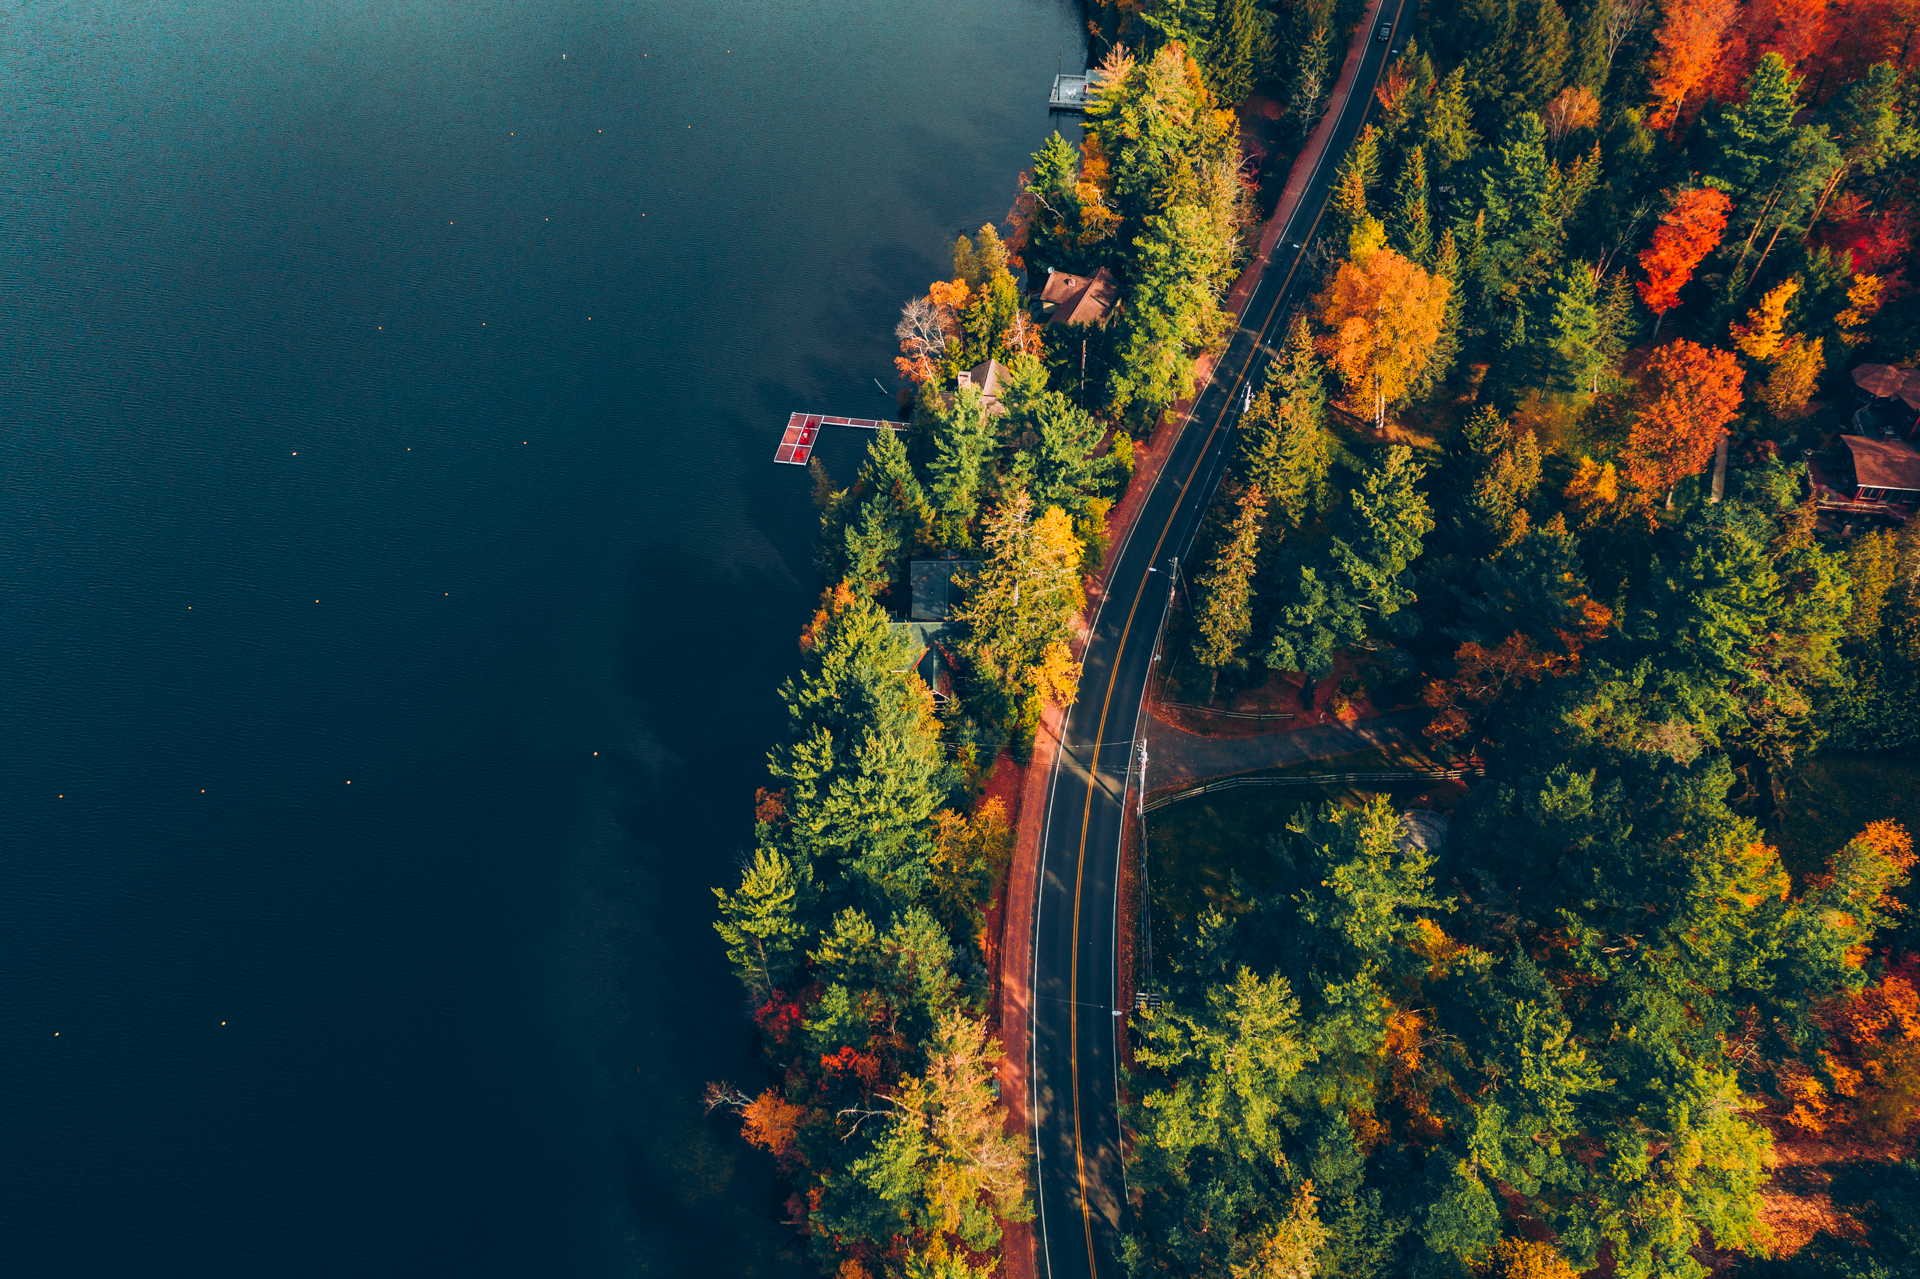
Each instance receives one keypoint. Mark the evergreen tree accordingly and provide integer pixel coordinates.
(962, 462)
(1353, 181)
(1587, 60)
(1746, 137)
(765, 922)
(1052, 442)
(1021, 605)
(1223, 611)
(862, 759)
(1236, 49)
(1357, 571)
(1284, 447)
(1448, 136)
(1411, 227)
(1578, 331)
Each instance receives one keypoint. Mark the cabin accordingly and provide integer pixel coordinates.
(987, 379)
(935, 594)
(1079, 299)
(1856, 474)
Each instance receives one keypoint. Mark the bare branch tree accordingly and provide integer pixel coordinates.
(1623, 19)
(921, 328)
(720, 1093)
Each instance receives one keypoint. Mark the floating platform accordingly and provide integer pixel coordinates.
(803, 429)
(1070, 91)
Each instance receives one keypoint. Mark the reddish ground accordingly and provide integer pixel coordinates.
(1279, 694)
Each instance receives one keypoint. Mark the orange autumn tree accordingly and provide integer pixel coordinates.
(1687, 396)
(1384, 317)
(1689, 231)
(1687, 49)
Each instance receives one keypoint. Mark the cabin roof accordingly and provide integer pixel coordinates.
(1080, 299)
(934, 593)
(1883, 464)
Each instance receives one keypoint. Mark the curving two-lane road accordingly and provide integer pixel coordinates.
(1076, 1023)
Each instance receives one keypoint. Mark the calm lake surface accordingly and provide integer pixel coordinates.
(386, 428)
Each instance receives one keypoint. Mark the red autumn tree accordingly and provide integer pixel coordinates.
(1687, 396)
(1687, 49)
(1687, 233)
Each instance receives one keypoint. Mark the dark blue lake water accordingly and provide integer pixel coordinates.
(387, 401)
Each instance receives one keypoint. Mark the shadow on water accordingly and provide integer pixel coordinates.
(686, 1174)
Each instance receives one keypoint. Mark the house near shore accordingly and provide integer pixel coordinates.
(987, 379)
(1857, 475)
(1079, 299)
(935, 596)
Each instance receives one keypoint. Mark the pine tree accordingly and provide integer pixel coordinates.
(1052, 442)
(1448, 136)
(1223, 611)
(1747, 137)
(766, 921)
(963, 445)
(1284, 447)
(1021, 605)
(861, 759)
(1353, 181)
(1411, 229)
(1578, 331)
(1235, 49)
(1358, 572)
(1587, 64)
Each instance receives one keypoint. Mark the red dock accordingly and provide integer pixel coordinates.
(796, 445)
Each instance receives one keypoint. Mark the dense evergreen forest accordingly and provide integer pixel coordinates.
(1588, 299)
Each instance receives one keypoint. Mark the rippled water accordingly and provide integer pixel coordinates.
(388, 402)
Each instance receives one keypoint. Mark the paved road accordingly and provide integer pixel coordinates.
(1075, 1090)
(1177, 756)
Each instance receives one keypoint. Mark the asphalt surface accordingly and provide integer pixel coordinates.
(1076, 1023)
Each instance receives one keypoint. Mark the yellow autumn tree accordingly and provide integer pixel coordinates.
(1530, 1259)
(1790, 384)
(1383, 316)
(1765, 330)
(1863, 300)
(1022, 603)
(1593, 494)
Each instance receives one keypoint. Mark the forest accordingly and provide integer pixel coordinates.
(1543, 439)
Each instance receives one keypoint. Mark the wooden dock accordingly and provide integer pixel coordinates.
(1070, 91)
(803, 429)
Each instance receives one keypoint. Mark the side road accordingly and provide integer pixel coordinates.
(1176, 756)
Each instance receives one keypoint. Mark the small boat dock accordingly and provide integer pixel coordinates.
(803, 429)
(1070, 91)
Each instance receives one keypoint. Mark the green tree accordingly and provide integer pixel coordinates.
(1053, 442)
(1448, 136)
(1239, 44)
(1353, 183)
(1746, 136)
(1359, 569)
(1284, 448)
(1022, 603)
(1223, 613)
(862, 758)
(961, 468)
(1411, 227)
(765, 922)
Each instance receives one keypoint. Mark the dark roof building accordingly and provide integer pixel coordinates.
(987, 379)
(935, 595)
(1884, 470)
(1079, 299)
